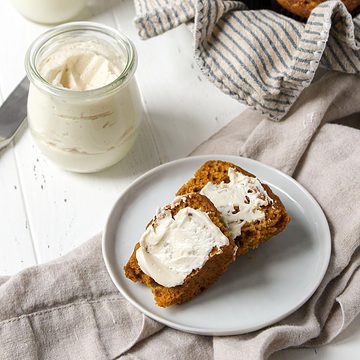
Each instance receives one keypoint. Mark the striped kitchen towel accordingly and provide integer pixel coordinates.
(260, 57)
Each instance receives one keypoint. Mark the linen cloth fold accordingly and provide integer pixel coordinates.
(70, 309)
(260, 57)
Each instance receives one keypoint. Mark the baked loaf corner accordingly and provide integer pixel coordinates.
(303, 8)
(252, 233)
(198, 280)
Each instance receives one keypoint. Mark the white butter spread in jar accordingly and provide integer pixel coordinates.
(177, 245)
(239, 201)
(81, 65)
(84, 106)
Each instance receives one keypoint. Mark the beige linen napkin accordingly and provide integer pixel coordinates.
(69, 308)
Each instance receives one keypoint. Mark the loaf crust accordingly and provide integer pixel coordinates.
(199, 279)
(252, 233)
(303, 8)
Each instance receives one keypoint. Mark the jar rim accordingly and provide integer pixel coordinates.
(38, 44)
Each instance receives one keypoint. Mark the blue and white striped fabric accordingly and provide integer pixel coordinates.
(259, 57)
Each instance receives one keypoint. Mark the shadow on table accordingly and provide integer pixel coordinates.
(351, 120)
(95, 8)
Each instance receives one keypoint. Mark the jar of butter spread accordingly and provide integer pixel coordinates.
(84, 106)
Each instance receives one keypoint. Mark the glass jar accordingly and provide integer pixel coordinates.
(88, 130)
(49, 11)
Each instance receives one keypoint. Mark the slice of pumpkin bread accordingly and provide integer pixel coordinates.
(250, 209)
(184, 249)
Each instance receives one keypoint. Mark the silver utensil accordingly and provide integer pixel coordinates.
(13, 112)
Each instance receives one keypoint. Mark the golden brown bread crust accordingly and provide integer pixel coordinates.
(254, 233)
(199, 279)
(303, 8)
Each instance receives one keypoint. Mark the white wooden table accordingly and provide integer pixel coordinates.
(45, 212)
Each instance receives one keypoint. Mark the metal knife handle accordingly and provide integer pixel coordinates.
(4, 142)
(13, 112)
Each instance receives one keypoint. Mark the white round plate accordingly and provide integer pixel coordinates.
(260, 288)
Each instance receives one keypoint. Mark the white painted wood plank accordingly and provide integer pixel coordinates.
(16, 247)
(15, 36)
(66, 209)
(184, 107)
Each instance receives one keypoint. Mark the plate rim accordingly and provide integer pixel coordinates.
(199, 330)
